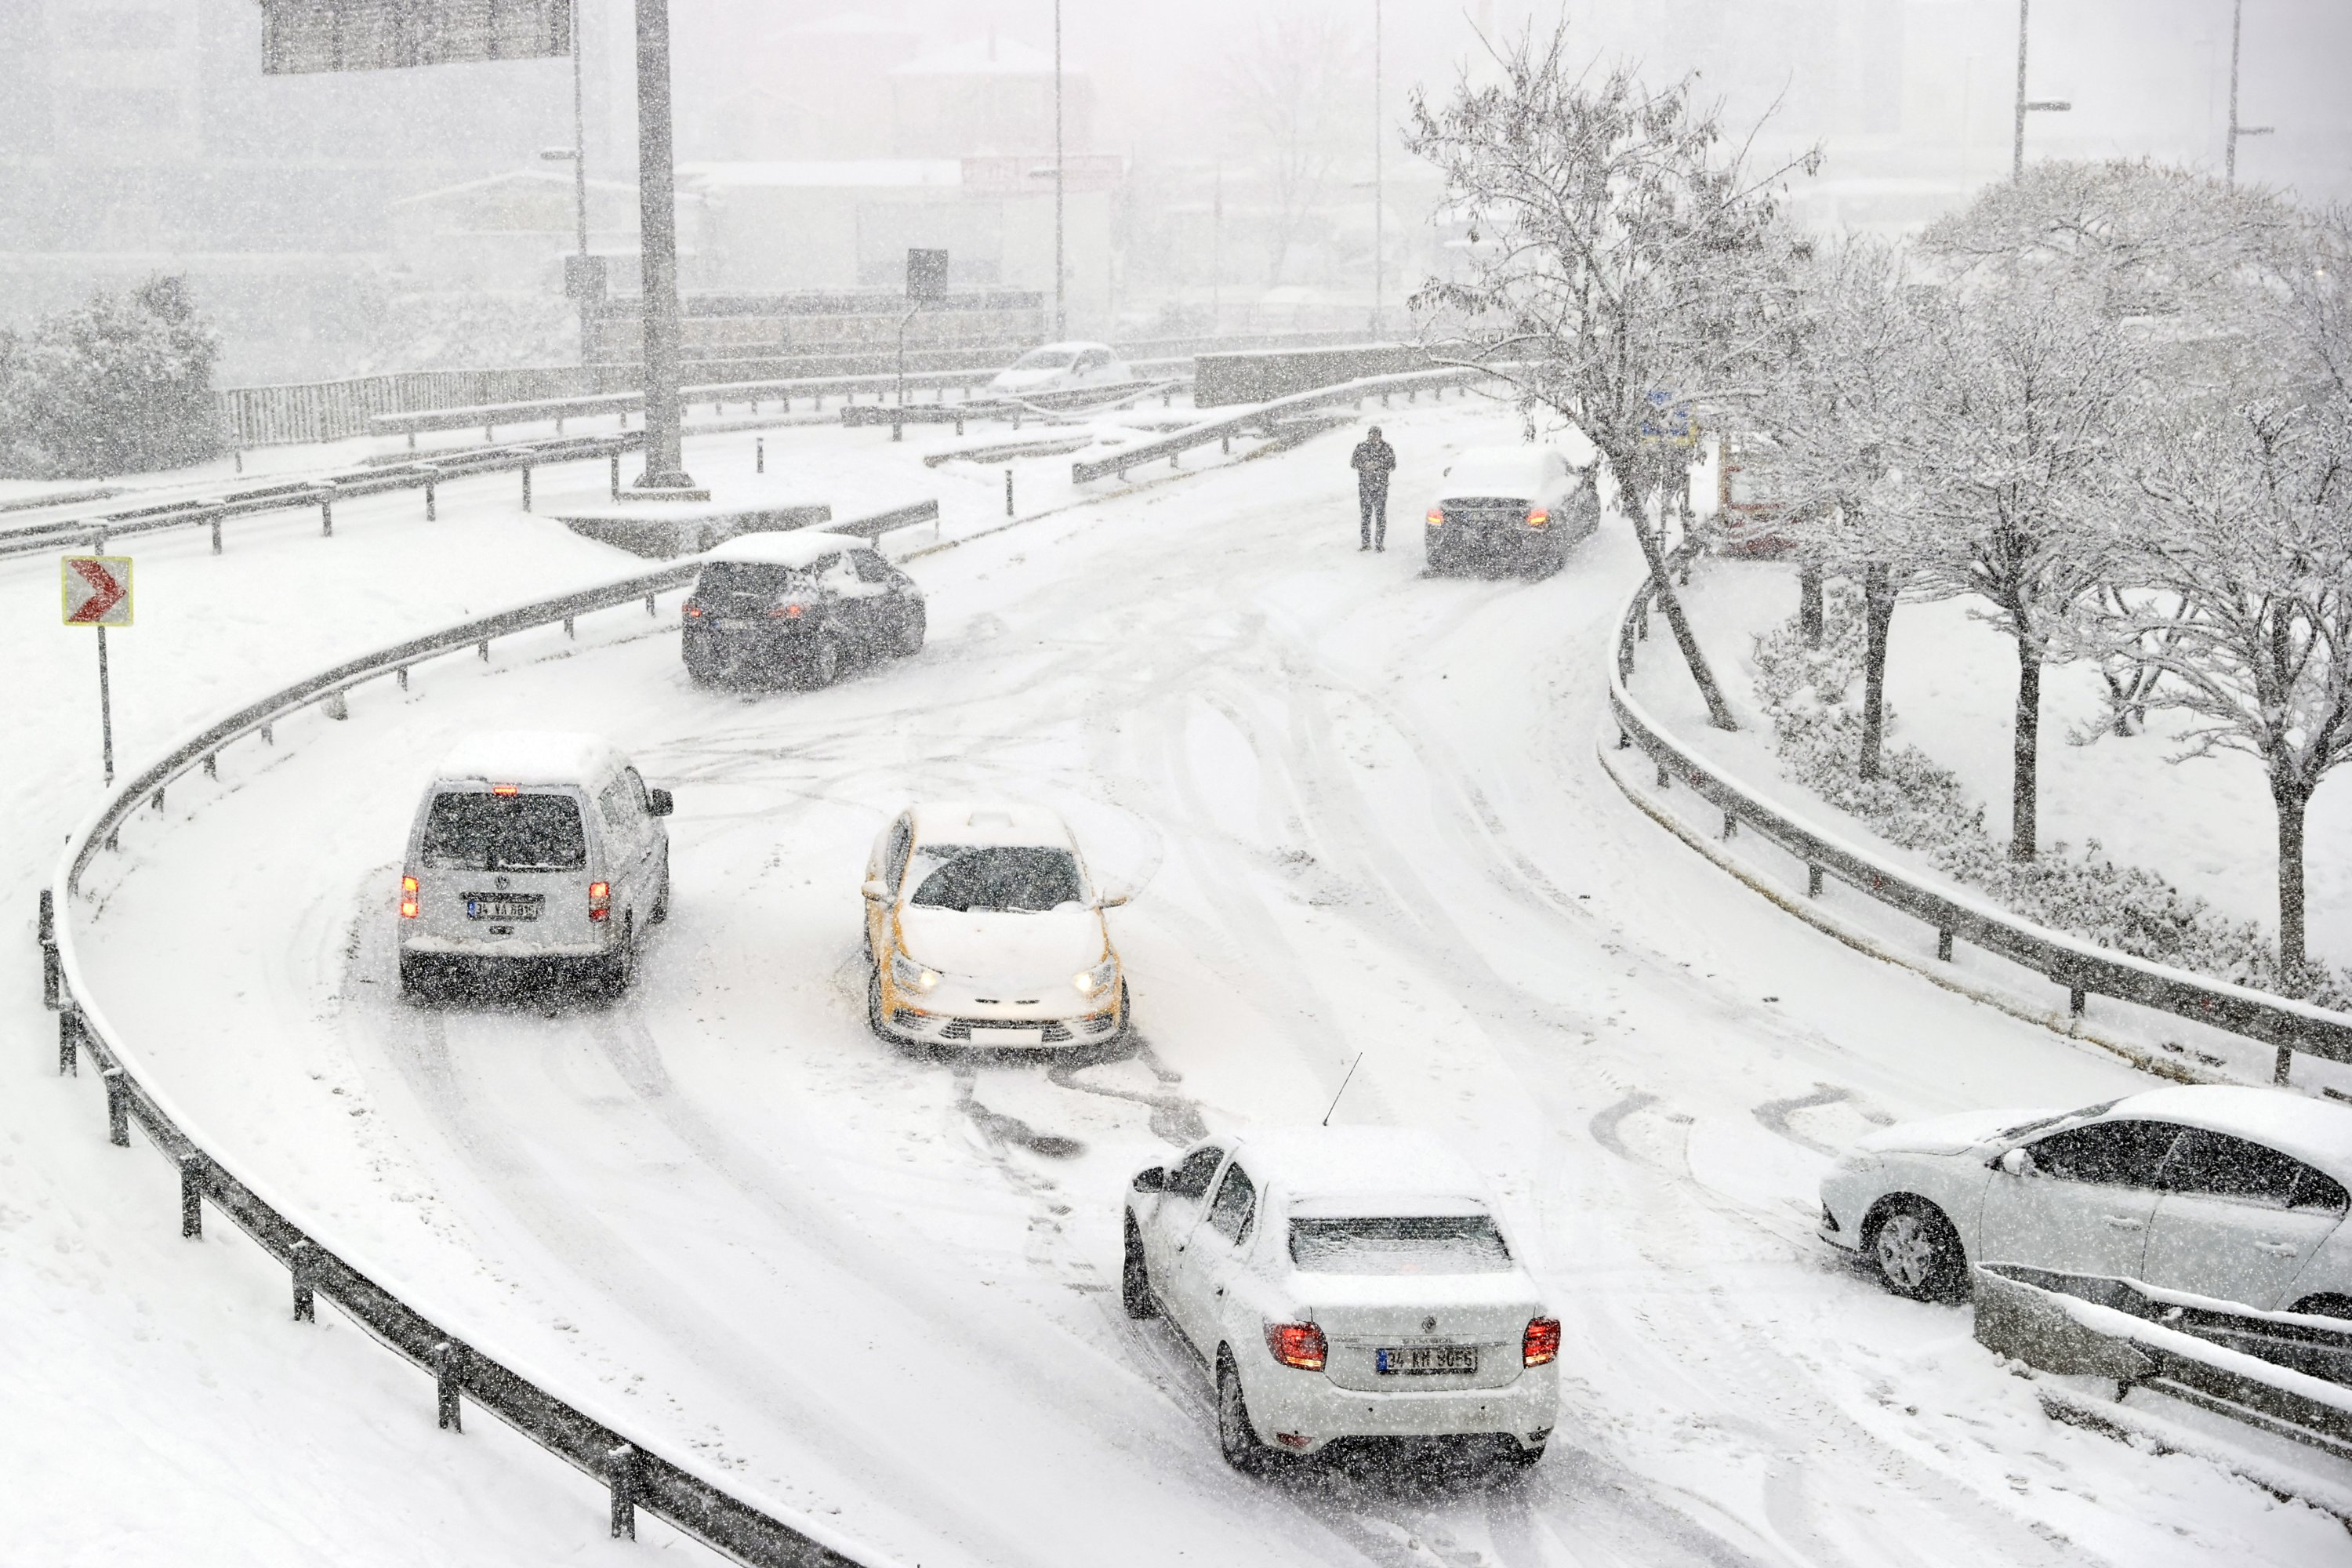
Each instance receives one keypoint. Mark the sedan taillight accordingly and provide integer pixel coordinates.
(1436, 517)
(600, 900)
(1296, 1344)
(1537, 517)
(408, 900)
(791, 612)
(693, 611)
(1540, 1344)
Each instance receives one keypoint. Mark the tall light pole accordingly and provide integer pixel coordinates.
(665, 473)
(2230, 158)
(2017, 155)
(577, 282)
(1061, 318)
(1380, 193)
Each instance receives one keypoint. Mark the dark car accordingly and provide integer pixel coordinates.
(771, 608)
(1510, 509)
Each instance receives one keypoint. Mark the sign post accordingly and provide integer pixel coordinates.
(97, 592)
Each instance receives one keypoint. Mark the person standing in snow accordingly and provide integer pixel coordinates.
(1373, 460)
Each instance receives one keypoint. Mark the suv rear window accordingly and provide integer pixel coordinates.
(1449, 1244)
(475, 831)
(750, 582)
(996, 877)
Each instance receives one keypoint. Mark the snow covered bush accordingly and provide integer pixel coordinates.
(1922, 808)
(122, 384)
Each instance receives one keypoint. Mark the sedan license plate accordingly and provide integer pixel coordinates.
(478, 908)
(1030, 1036)
(1426, 1360)
(734, 624)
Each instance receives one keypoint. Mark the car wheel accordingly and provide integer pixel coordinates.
(909, 640)
(822, 667)
(1135, 1279)
(621, 968)
(419, 977)
(1917, 1253)
(661, 900)
(1519, 1458)
(874, 1003)
(2325, 1306)
(1236, 1439)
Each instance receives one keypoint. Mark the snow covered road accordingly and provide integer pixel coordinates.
(1364, 814)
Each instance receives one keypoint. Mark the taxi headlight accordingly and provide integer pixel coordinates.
(1094, 982)
(912, 975)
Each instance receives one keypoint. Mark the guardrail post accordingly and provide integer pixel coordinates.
(69, 1042)
(758, 453)
(448, 1368)
(305, 1264)
(616, 474)
(217, 542)
(483, 647)
(650, 611)
(897, 429)
(621, 1473)
(338, 706)
(2076, 1000)
(568, 630)
(1944, 946)
(2286, 1062)
(192, 1194)
(326, 517)
(1731, 825)
(1665, 780)
(46, 933)
(1812, 881)
(489, 433)
(117, 1108)
(1008, 491)
(402, 676)
(431, 515)
(212, 764)
(526, 486)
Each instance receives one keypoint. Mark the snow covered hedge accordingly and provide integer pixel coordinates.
(1922, 808)
(122, 385)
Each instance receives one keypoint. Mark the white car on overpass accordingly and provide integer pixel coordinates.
(2229, 1193)
(1343, 1283)
(1062, 367)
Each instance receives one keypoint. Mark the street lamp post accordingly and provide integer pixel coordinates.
(1061, 318)
(577, 277)
(664, 472)
(2230, 157)
(2055, 105)
(1380, 192)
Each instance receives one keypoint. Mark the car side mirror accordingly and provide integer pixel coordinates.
(2016, 1163)
(1153, 1179)
(659, 803)
(874, 890)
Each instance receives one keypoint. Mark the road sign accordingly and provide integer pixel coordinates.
(304, 36)
(1668, 421)
(97, 590)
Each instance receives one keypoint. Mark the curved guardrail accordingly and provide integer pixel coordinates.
(1260, 417)
(465, 1365)
(2085, 969)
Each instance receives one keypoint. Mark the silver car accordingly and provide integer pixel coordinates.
(2234, 1194)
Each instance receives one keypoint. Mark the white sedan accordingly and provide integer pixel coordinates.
(1343, 1282)
(1062, 367)
(2234, 1193)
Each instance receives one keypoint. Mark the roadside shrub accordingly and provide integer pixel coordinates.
(121, 385)
(1922, 808)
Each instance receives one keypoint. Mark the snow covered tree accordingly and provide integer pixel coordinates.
(1835, 410)
(2241, 573)
(122, 385)
(1292, 92)
(1621, 247)
(2019, 397)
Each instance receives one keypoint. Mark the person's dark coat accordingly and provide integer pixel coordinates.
(1373, 460)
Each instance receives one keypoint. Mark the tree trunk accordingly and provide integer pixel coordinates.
(1719, 712)
(1878, 619)
(1809, 603)
(2023, 784)
(2292, 959)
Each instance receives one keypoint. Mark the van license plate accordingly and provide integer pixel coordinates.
(1425, 1361)
(482, 908)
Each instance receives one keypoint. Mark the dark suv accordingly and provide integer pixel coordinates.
(797, 607)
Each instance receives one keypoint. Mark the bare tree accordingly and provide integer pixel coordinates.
(2242, 571)
(1290, 90)
(1621, 247)
(2021, 396)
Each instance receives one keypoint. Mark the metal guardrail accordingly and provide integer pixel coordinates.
(2279, 1371)
(2085, 969)
(1260, 418)
(596, 1442)
(321, 491)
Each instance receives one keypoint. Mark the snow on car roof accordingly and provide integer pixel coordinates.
(2313, 1131)
(794, 547)
(530, 757)
(989, 822)
(1072, 345)
(1395, 1169)
(1484, 466)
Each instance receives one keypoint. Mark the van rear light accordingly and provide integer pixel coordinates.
(408, 898)
(506, 789)
(1296, 1344)
(1537, 517)
(1540, 1345)
(1436, 517)
(600, 900)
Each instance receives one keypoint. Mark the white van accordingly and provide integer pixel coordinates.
(533, 845)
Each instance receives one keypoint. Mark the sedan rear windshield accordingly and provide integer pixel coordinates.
(481, 832)
(1450, 1244)
(1001, 877)
(1044, 359)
